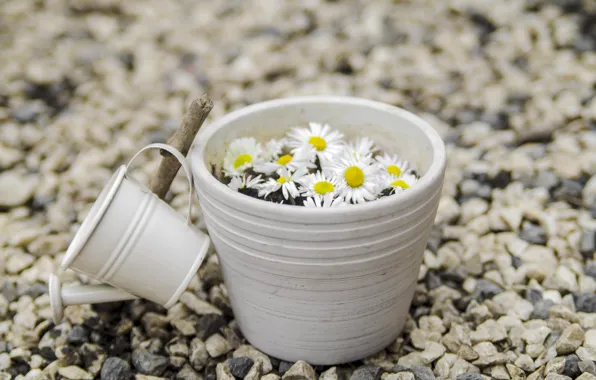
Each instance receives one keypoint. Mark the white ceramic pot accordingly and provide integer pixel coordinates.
(134, 243)
(323, 285)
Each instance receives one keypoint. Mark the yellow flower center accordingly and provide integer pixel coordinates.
(283, 160)
(400, 183)
(282, 180)
(394, 169)
(242, 160)
(319, 143)
(354, 176)
(324, 187)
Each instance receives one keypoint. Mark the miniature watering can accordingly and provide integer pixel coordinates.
(133, 241)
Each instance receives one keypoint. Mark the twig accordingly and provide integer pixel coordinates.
(182, 140)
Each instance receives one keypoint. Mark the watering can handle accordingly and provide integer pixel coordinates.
(180, 157)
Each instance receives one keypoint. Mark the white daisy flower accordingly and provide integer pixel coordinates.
(326, 141)
(244, 182)
(318, 184)
(287, 182)
(358, 176)
(362, 147)
(324, 201)
(273, 149)
(241, 154)
(392, 164)
(302, 158)
(396, 184)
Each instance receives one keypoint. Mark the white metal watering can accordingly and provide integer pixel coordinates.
(134, 243)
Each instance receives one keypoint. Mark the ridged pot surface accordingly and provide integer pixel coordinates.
(322, 285)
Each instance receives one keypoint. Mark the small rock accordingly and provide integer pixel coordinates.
(469, 376)
(586, 376)
(283, 367)
(330, 374)
(303, 371)
(489, 330)
(239, 366)
(571, 368)
(467, 352)
(556, 376)
(74, 373)
(587, 366)
(148, 363)
(77, 335)
(273, 376)
(223, 373)
(571, 338)
(398, 376)
(590, 338)
(556, 365)
(586, 353)
(255, 355)
(217, 345)
(210, 324)
(485, 290)
(18, 261)
(585, 302)
(198, 356)
(515, 372)
(115, 368)
(28, 112)
(533, 233)
(187, 373)
(588, 243)
(423, 373)
(367, 372)
(525, 362)
(16, 189)
(198, 305)
(254, 373)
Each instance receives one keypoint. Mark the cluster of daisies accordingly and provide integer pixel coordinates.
(314, 167)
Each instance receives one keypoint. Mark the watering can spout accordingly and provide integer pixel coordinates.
(82, 294)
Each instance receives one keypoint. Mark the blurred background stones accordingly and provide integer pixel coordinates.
(507, 287)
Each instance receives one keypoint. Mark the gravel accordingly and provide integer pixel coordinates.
(507, 285)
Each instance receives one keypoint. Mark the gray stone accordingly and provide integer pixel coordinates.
(485, 290)
(533, 233)
(367, 372)
(28, 112)
(301, 371)
(590, 269)
(541, 309)
(115, 368)
(588, 243)
(556, 376)
(571, 368)
(77, 335)
(546, 179)
(585, 302)
(556, 365)
(239, 366)
(223, 373)
(217, 345)
(423, 373)
(148, 363)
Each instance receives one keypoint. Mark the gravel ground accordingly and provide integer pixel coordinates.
(507, 288)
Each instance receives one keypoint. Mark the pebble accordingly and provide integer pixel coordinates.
(303, 371)
(217, 345)
(148, 363)
(239, 366)
(555, 376)
(223, 372)
(198, 356)
(330, 374)
(485, 290)
(588, 243)
(423, 373)
(587, 366)
(533, 233)
(586, 353)
(586, 376)
(469, 376)
(198, 305)
(187, 373)
(398, 376)
(74, 373)
(556, 365)
(256, 356)
(585, 302)
(115, 368)
(16, 189)
(77, 335)
(571, 338)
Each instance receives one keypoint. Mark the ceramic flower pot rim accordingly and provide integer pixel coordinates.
(205, 178)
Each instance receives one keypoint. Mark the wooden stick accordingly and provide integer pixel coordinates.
(182, 140)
